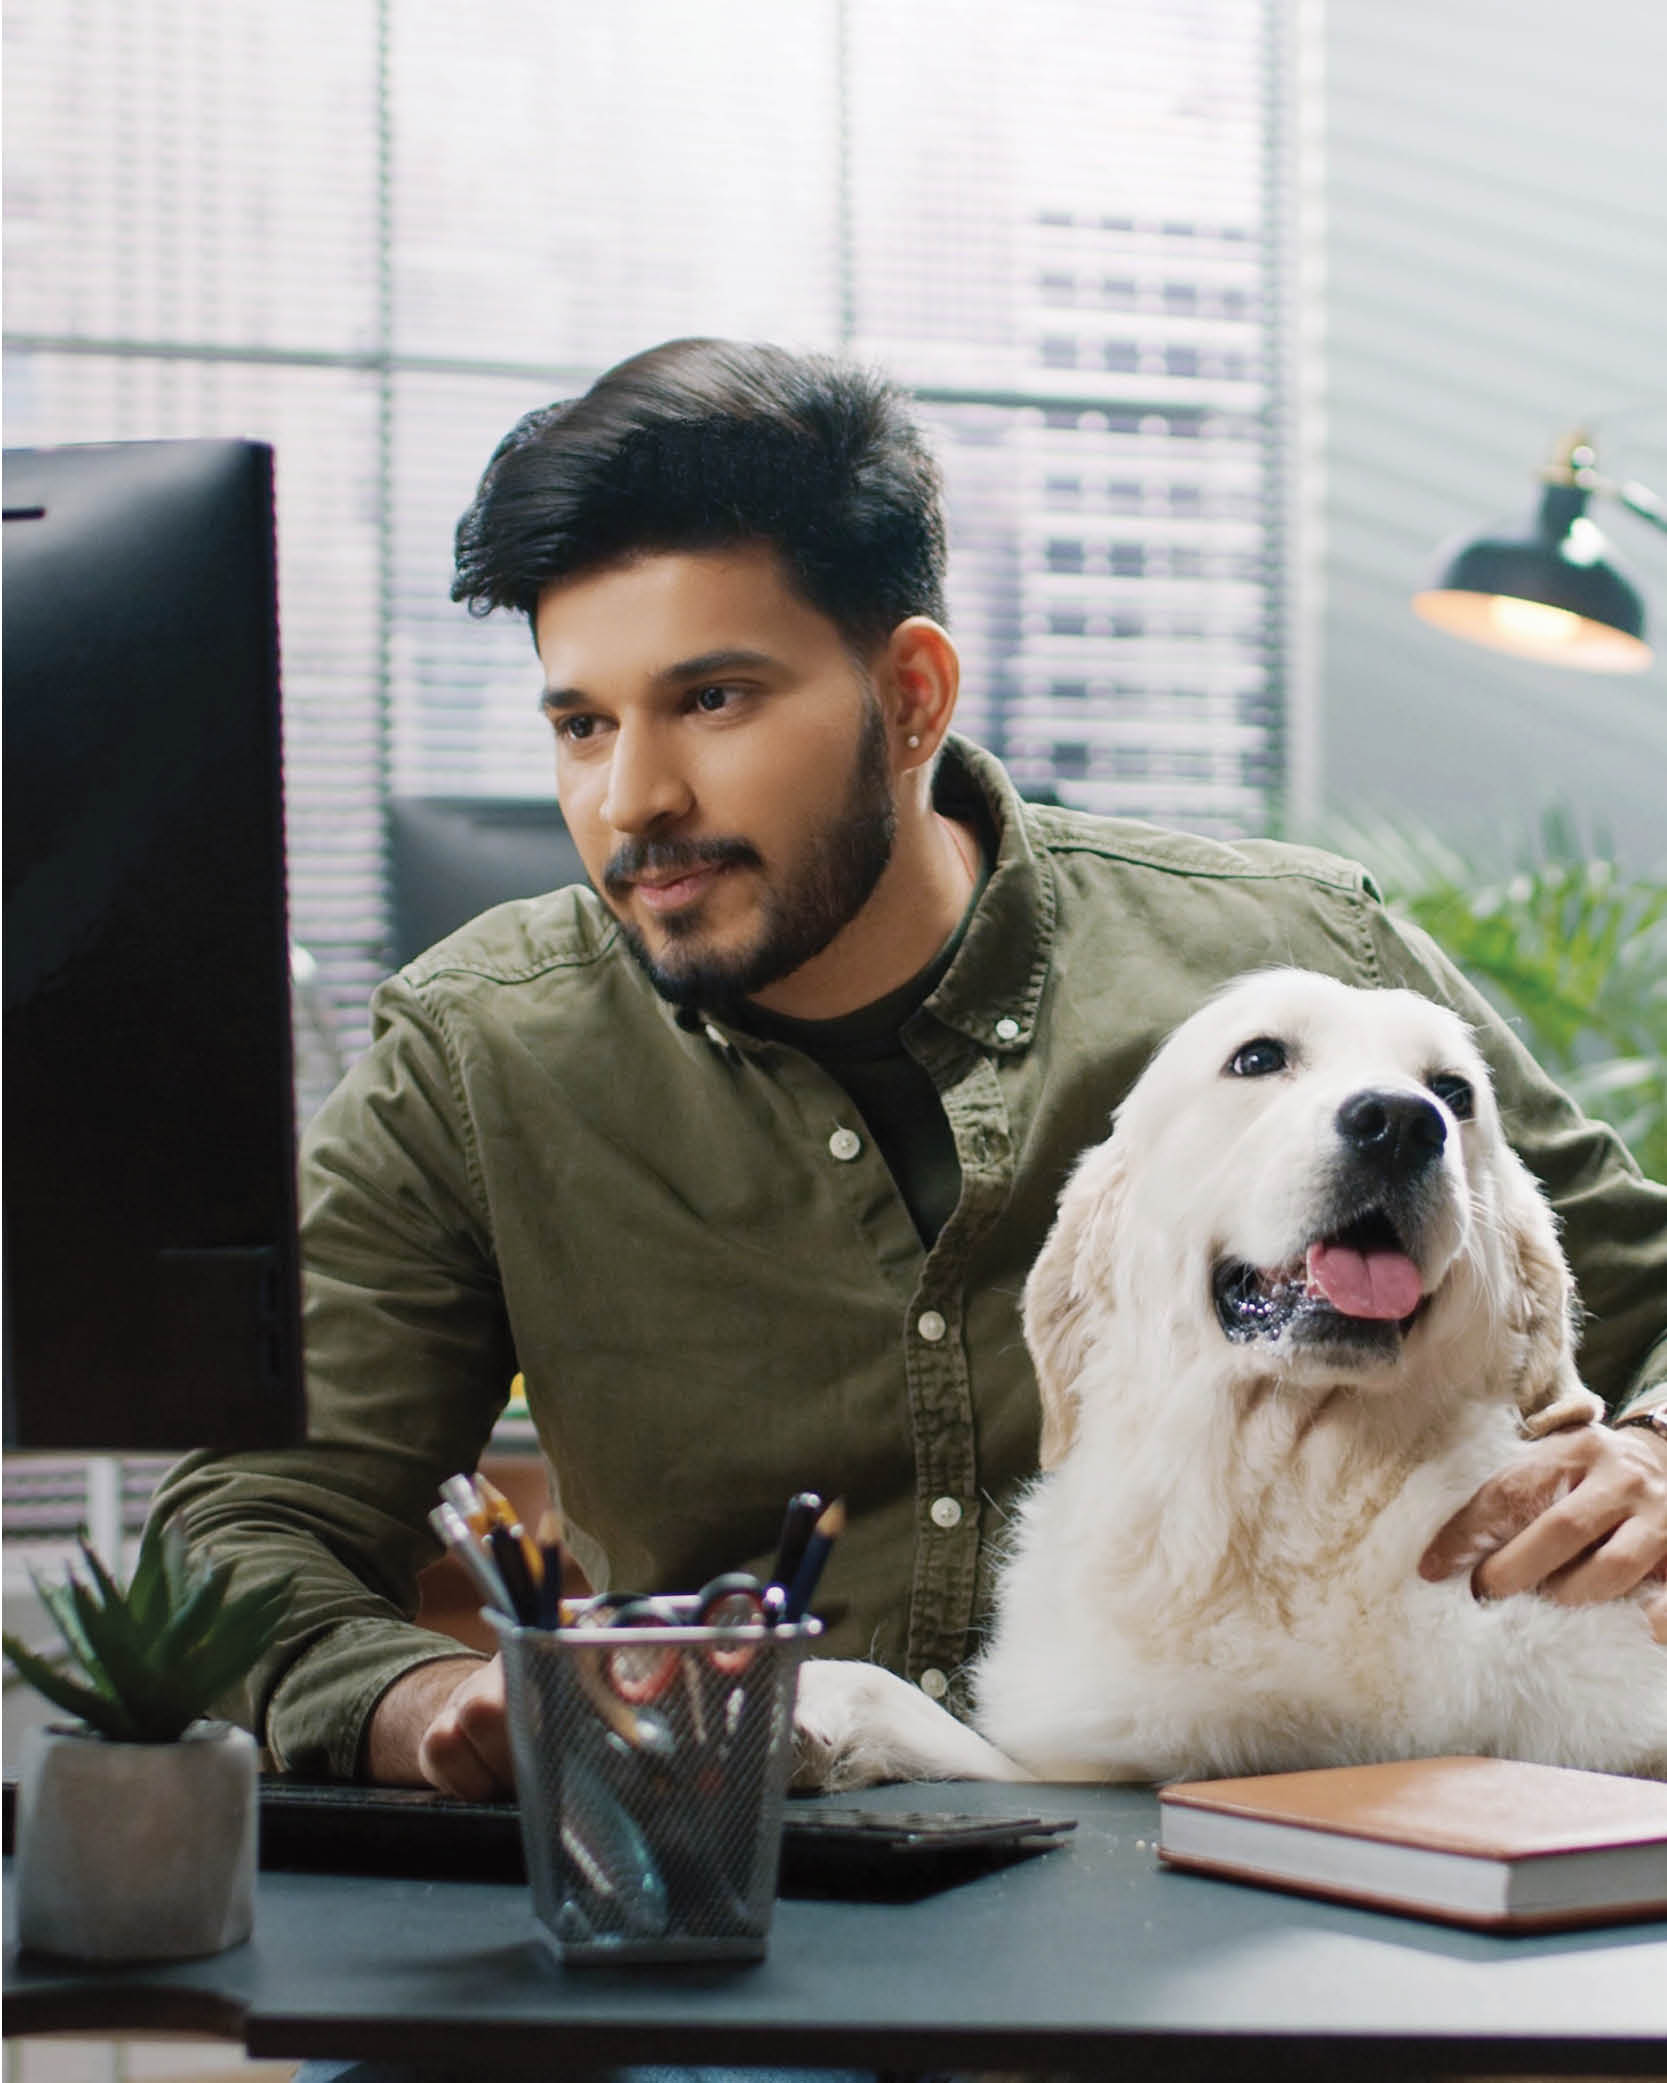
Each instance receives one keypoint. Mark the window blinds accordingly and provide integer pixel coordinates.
(375, 234)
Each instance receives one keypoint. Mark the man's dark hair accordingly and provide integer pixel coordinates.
(707, 445)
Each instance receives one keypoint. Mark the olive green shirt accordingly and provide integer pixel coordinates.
(683, 1235)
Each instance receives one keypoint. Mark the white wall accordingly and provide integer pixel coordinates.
(1496, 271)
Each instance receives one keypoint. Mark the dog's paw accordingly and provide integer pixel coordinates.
(838, 1723)
(857, 1725)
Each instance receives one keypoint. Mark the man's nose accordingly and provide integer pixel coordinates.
(646, 782)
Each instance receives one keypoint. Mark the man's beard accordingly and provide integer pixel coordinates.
(829, 886)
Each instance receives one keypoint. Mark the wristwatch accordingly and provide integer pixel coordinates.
(1655, 1419)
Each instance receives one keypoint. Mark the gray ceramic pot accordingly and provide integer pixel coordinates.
(137, 1851)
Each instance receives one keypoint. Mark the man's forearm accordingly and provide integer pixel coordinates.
(403, 1716)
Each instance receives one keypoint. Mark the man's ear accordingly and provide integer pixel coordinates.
(1542, 1308)
(921, 675)
(1064, 1300)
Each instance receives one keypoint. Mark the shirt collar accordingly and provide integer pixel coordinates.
(992, 992)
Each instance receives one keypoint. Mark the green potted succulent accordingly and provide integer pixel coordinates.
(136, 1827)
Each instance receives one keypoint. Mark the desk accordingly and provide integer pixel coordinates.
(1086, 1957)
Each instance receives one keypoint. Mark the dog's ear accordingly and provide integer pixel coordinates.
(1550, 1393)
(1063, 1295)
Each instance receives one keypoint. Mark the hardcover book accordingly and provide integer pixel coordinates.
(1488, 1842)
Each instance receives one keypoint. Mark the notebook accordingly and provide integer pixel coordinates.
(1488, 1842)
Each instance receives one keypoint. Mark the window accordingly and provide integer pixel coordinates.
(354, 229)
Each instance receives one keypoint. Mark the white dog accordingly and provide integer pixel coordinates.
(1293, 1314)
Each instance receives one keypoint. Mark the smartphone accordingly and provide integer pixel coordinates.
(897, 1855)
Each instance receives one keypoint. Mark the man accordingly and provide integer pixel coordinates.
(742, 1155)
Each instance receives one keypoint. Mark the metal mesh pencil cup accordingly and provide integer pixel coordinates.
(651, 1767)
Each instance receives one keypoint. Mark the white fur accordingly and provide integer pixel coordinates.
(1218, 1571)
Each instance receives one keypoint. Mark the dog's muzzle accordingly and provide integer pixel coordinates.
(1356, 1286)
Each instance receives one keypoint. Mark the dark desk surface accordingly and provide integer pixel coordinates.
(1087, 1956)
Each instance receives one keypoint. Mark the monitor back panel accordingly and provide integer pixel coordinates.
(149, 1158)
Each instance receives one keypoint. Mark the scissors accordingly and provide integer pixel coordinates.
(641, 1672)
(628, 1682)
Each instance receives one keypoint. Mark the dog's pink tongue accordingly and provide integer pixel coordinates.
(1364, 1283)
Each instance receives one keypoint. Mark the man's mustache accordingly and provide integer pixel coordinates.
(635, 858)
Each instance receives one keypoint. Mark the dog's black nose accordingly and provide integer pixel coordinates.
(1398, 1131)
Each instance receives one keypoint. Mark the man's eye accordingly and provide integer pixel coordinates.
(1258, 1059)
(1456, 1094)
(574, 729)
(711, 701)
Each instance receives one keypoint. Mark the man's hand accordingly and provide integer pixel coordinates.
(443, 1725)
(1580, 1518)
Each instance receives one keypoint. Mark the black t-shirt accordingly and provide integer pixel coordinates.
(896, 1098)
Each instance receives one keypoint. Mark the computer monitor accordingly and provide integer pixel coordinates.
(149, 1166)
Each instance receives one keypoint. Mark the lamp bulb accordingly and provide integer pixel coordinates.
(1533, 622)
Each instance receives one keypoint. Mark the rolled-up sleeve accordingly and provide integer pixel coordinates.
(409, 1360)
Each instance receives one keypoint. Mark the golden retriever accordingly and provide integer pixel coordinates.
(1292, 1315)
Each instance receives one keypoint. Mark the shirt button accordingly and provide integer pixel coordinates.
(931, 1326)
(933, 1682)
(946, 1512)
(845, 1144)
(1007, 1029)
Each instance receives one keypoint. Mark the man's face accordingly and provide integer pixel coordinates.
(721, 763)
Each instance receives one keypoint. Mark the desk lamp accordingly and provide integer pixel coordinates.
(1550, 591)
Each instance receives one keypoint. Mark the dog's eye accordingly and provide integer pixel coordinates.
(1258, 1059)
(1456, 1094)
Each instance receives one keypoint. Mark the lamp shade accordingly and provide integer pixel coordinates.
(1549, 592)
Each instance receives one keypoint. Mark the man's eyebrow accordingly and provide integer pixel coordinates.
(705, 665)
(708, 663)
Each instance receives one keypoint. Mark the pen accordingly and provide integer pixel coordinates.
(826, 1531)
(797, 1524)
(510, 1555)
(448, 1522)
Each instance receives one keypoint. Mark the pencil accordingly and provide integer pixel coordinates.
(826, 1531)
(496, 1503)
(448, 1522)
